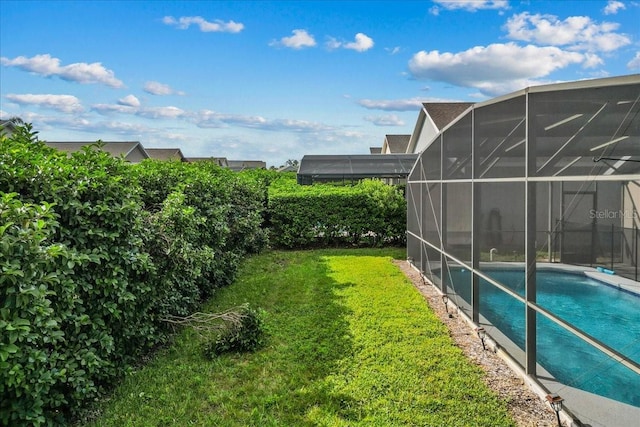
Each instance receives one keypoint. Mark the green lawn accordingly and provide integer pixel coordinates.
(350, 342)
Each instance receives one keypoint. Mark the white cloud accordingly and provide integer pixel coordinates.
(129, 101)
(468, 5)
(63, 103)
(300, 39)
(80, 72)
(389, 120)
(213, 119)
(114, 108)
(613, 7)
(413, 104)
(494, 69)
(361, 43)
(634, 64)
(205, 26)
(575, 32)
(157, 88)
(169, 112)
(393, 50)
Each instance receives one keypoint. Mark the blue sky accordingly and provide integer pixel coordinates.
(275, 80)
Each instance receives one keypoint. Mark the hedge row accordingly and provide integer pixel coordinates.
(370, 213)
(94, 253)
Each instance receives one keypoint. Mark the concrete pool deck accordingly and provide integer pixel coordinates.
(582, 408)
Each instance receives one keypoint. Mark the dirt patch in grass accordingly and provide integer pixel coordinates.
(526, 407)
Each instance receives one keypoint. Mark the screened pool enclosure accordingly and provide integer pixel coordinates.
(351, 168)
(542, 178)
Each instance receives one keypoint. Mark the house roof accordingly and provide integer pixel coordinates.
(375, 150)
(440, 114)
(8, 126)
(239, 165)
(115, 148)
(397, 143)
(220, 161)
(288, 168)
(165, 153)
(443, 113)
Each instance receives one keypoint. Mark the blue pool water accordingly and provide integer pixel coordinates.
(610, 315)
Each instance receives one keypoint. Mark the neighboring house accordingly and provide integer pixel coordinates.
(165, 154)
(433, 118)
(220, 161)
(131, 151)
(240, 165)
(375, 150)
(8, 127)
(288, 168)
(395, 144)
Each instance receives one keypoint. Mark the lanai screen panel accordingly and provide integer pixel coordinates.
(586, 132)
(499, 139)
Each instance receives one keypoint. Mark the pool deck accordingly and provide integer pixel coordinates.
(590, 409)
(581, 408)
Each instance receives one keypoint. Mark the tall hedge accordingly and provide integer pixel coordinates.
(94, 253)
(84, 285)
(368, 214)
(202, 221)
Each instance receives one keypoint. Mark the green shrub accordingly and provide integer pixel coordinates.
(95, 253)
(225, 215)
(368, 214)
(37, 303)
(89, 292)
(246, 334)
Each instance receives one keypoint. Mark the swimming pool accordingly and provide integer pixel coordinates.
(608, 314)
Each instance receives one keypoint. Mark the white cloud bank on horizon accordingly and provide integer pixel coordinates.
(62, 103)
(388, 120)
(217, 26)
(79, 72)
(412, 104)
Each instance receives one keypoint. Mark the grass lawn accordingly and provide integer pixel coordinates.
(350, 342)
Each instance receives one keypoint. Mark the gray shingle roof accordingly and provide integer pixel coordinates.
(165, 153)
(397, 143)
(115, 148)
(443, 113)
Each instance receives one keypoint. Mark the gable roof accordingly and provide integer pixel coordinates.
(437, 115)
(220, 161)
(396, 144)
(239, 165)
(443, 113)
(165, 154)
(126, 149)
(288, 168)
(8, 127)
